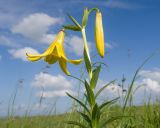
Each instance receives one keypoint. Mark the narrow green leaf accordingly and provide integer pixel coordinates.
(80, 102)
(85, 117)
(72, 27)
(95, 76)
(100, 90)
(85, 17)
(108, 103)
(101, 63)
(110, 120)
(87, 62)
(134, 78)
(76, 123)
(95, 114)
(90, 95)
(75, 21)
(77, 78)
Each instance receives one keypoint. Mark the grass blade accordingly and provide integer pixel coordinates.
(108, 102)
(80, 102)
(95, 76)
(76, 123)
(99, 92)
(90, 95)
(74, 21)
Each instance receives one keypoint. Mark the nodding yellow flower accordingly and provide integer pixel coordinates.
(54, 53)
(99, 35)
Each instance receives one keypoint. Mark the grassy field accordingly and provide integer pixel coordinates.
(146, 116)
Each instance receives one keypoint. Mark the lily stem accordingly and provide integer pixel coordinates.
(86, 48)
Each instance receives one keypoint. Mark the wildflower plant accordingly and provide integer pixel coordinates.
(92, 111)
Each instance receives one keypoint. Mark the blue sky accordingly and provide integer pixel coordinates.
(131, 34)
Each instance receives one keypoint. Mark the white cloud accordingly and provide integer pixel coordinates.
(21, 53)
(53, 86)
(151, 85)
(75, 44)
(55, 93)
(108, 45)
(39, 106)
(151, 80)
(46, 80)
(152, 74)
(7, 42)
(36, 26)
(47, 38)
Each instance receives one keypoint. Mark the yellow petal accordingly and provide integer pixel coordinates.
(50, 59)
(58, 40)
(99, 35)
(57, 50)
(76, 62)
(34, 57)
(63, 65)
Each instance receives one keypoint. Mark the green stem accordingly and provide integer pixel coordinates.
(86, 49)
(93, 9)
(85, 43)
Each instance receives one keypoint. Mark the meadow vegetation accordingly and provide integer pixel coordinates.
(145, 116)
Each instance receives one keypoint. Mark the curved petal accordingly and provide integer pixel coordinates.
(54, 48)
(55, 44)
(57, 50)
(33, 57)
(63, 65)
(76, 62)
(58, 40)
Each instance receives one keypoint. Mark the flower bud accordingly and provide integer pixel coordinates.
(99, 35)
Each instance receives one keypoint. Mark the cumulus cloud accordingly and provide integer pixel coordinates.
(54, 86)
(152, 74)
(36, 26)
(21, 53)
(75, 44)
(151, 85)
(148, 86)
(7, 42)
(46, 80)
(54, 93)
(151, 80)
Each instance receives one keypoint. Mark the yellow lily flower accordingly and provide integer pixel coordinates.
(99, 35)
(54, 53)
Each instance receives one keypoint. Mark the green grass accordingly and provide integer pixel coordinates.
(146, 116)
